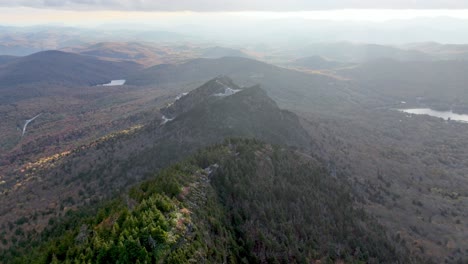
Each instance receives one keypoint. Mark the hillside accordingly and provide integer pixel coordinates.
(441, 51)
(4, 59)
(61, 68)
(219, 52)
(97, 170)
(249, 113)
(316, 63)
(147, 54)
(414, 82)
(121, 51)
(361, 52)
(217, 207)
(219, 87)
(152, 53)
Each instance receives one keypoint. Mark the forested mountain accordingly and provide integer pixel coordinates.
(408, 171)
(210, 91)
(96, 171)
(251, 131)
(239, 202)
(290, 89)
(61, 68)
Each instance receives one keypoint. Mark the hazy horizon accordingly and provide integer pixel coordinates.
(252, 22)
(253, 27)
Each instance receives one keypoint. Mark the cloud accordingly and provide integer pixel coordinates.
(235, 5)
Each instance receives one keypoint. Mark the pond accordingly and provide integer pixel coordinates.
(115, 83)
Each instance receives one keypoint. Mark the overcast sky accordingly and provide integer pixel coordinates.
(236, 5)
(171, 12)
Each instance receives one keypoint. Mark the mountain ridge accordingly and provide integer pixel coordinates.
(293, 90)
(111, 164)
(217, 206)
(57, 67)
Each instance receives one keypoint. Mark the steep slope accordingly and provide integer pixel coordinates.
(60, 68)
(117, 161)
(212, 90)
(239, 202)
(248, 113)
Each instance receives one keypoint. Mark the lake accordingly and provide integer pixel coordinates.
(441, 114)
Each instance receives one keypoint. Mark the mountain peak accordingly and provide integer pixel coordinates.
(249, 113)
(214, 89)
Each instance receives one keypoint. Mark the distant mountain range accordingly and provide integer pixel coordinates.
(351, 52)
(441, 51)
(219, 52)
(317, 63)
(147, 54)
(120, 51)
(150, 54)
(22, 41)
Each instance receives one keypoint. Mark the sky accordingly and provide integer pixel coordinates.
(87, 12)
(235, 5)
(31, 16)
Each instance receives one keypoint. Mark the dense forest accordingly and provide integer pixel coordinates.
(284, 137)
(242, 201)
